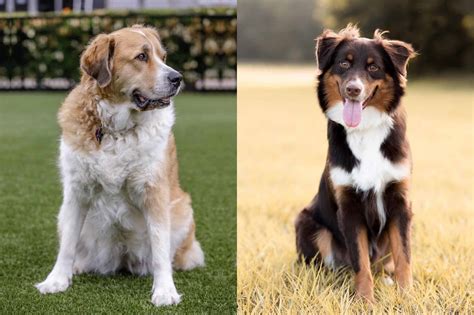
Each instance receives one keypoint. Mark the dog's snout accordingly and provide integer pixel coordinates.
(353, 89)
(175, 78)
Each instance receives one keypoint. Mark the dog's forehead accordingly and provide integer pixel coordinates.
(360, 48)
(138, 37)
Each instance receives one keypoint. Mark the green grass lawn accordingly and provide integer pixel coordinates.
(30, 196)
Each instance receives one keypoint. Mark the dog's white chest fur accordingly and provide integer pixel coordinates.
(132, 148)
(133, 145)
(113, 180)
(373, 171)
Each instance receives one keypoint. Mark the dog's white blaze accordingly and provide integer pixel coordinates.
(162, 70)
(139, 32)
(357, 81)
(374, 170)
(149, 41)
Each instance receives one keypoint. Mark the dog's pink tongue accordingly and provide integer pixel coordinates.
(352, 113)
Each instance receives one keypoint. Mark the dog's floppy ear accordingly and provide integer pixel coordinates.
(326, 44)
(96, 60)
(400, 53)
(328, 41)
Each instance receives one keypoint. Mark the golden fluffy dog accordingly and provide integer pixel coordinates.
(123, 207)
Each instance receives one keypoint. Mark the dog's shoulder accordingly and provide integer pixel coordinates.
(79, 120)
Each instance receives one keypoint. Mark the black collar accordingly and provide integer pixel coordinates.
(99, 134)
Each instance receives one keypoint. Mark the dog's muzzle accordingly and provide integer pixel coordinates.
(145, 103)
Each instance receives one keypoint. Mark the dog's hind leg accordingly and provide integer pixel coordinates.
(305, 228)
(189, 255)
(187, 250)
(313, 241)
(384, 259)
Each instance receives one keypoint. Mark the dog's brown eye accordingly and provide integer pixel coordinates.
(345, 64)
(142, 57)
(373, 68)
(164, 57)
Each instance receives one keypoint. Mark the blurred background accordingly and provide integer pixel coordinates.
(40, 40)
(282, 147)
(441, 31)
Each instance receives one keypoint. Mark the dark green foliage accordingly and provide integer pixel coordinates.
(30, 195)
(201, 45)
(282, 30)
(441, 31)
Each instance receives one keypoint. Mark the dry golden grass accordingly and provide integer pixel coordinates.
(281, 153)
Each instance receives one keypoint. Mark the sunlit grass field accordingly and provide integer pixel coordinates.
(281, 154)
(30, 195)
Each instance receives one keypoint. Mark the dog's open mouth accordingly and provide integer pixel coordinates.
(364, 104)
(145, 103)
(352, 111)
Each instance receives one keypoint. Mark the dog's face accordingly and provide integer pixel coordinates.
(129, 65)
(358, 73)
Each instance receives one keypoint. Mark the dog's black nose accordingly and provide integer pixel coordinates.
(353, 90)
(175, 78)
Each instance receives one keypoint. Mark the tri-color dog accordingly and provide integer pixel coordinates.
(362, 212)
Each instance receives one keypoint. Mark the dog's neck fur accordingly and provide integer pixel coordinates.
(123, 117)
(116, 118)
(372, 118)
(123, 123)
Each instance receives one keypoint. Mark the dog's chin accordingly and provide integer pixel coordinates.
(144, 103)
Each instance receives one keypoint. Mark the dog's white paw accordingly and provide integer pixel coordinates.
(387, 280)
(54, 284)
(165, 296)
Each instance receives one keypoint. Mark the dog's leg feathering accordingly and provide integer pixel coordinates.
(189, 255)
(70, 221)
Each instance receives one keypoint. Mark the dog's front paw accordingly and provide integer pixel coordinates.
(404, 279)
(165, 296)
(404, 283)
(54, 284)
(365, 289)
(367, 296)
